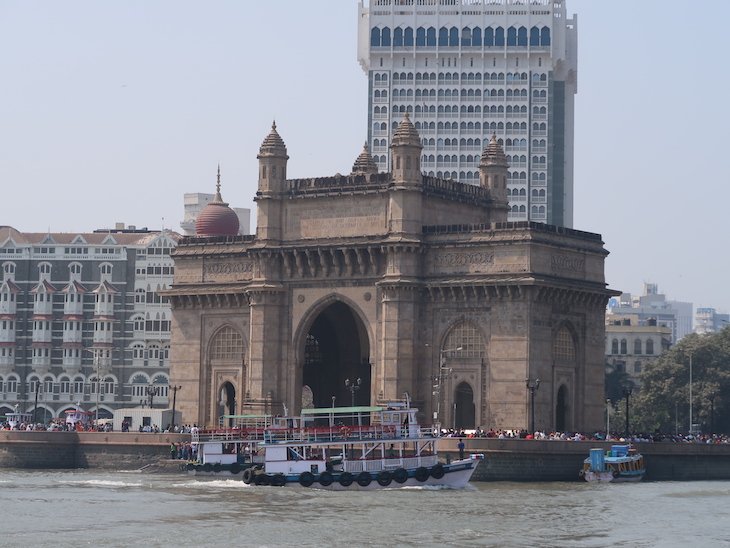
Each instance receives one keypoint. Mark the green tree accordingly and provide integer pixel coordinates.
(663, 400)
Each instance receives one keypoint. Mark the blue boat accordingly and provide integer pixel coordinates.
(621, 464)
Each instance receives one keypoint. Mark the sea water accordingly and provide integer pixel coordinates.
(96, 508)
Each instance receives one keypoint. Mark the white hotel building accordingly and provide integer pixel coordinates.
(467, 69)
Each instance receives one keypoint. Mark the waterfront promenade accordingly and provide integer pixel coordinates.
(505, 459)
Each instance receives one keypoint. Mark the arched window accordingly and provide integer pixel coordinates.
(637, 346)
(385, 37)
(545, 36)
(443, 36)
(522, 36)
(227, 344)
(375, 37)
(499, 36)
(511, 36)
(464, 340)
(453, 36)
(650, 346)
(397, 37)
(624, 346)
(408, 37)
(431, 36)
(476, 40)
(564, 345)
(420, 36)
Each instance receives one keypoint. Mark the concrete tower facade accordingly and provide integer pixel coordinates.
(467, 69)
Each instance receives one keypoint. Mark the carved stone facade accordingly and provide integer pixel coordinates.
(403, 282)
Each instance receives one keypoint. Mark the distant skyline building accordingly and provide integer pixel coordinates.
(708, 320)
(632, 344)
(653, 306)
(468, 69)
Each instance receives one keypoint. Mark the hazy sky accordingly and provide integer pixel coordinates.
(111, 110)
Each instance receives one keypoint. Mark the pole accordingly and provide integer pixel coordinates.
(690, 393)
(608, 419)
(98, 387)
(628, 395)
(35, 406)
(174, 402)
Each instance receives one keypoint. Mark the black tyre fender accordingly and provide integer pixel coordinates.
(189, 466)
(263, 479)
(278, 480)
(616, 473)
(207, 467)
(400, 475)
(217, 467)
(306, 479)
(235, 468)
(325, 479)
(364, 479)
(384, 478)
(346, 479)
(421, 473)
(437, 472)
(247, 476)
(198, 467)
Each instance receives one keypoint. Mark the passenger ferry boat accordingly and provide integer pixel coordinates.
(621, 464)
(340, 448)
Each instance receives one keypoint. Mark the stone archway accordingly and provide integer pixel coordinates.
(561, 409)
(464, 408)
(227, 401)
(337, 350)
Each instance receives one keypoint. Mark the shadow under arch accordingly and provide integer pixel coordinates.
(333, 347)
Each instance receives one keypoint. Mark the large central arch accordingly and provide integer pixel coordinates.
(336, 350)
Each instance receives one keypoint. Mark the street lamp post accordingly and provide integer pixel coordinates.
(151, 392)
(174, 402)
(532, 386)
(442, 373)
(690, 393)
(608, 418)
(627, 394)
(352, 386)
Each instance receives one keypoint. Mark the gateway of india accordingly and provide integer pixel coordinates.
(361, 288)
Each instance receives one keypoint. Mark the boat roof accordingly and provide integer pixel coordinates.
(341, 410)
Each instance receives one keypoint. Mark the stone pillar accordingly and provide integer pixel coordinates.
(264, 391)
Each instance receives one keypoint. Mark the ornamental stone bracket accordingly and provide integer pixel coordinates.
(326, 262)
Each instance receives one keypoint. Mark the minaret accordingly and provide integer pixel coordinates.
(272, 183)
(406, 153)
(493, 176)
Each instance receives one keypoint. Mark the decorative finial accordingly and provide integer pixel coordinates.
(273, 124)
(218, 180)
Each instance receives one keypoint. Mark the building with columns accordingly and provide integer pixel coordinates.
(361, 288)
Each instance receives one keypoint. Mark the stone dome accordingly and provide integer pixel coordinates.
(406, 134)
(273, 144)
(216, 218)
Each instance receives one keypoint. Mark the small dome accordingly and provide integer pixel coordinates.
(216, 218)
(493, 155)
(406, 134)
(273, 144)
(364, 163)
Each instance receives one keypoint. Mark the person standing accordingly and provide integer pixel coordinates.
(461, 449)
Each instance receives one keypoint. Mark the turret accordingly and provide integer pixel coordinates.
(493, 176)
(272, 184)
(272, 163)
(406, 153)
(364, 165)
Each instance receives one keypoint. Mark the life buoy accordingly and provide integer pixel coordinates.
(421, 474)
(346, 479)
(247, 476)
(278, 480)
(616, 473)
(437, 472)
(345, 432)
(235, 468)
(325, 479)
(384, 478)
(364, 479)
(400, 475)
(306, 479)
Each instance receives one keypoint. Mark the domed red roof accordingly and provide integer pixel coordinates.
(216, 218)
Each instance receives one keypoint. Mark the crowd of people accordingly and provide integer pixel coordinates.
(595, 436)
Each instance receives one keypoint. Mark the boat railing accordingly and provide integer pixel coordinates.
(231, 435)
(375, 465)
(326, 434)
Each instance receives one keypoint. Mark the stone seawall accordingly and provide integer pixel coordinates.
(505, 460)
(113, 450)
(530, 460)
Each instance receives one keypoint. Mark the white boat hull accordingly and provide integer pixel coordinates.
(608, 477)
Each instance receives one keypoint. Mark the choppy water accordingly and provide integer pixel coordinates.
(92, 508)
